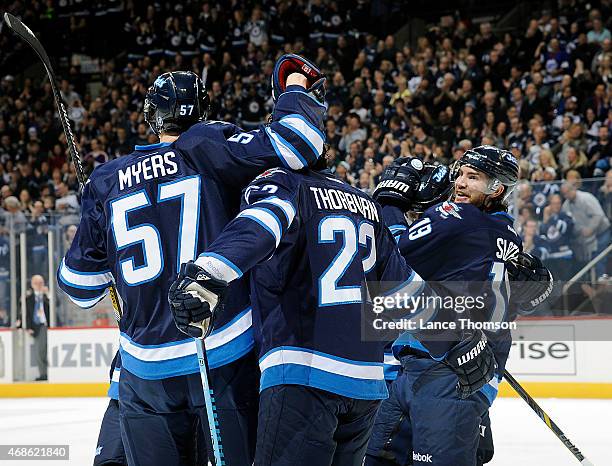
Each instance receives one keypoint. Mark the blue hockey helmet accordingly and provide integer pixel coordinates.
(175, 101)
(499, 165)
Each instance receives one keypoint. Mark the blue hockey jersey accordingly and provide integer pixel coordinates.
(146, 213)
(320, 241)
(460, 244)
(558, 232)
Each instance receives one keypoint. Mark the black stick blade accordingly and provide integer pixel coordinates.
(28, 36)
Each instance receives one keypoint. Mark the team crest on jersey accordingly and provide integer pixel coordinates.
(446, 209)
(270, 172)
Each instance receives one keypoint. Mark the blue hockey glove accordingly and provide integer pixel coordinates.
(531, 283)
(399, 183)
(195, 297)
(474, 363)
(291, 63)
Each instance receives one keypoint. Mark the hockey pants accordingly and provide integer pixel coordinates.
(424, 422)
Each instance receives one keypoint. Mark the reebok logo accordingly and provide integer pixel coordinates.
(422, 457)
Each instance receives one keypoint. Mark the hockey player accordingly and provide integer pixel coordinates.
(471, 243)
(146, 213)
(109, 448)
(321, 382)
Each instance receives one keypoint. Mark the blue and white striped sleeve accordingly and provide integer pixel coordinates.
(267, 213)
(84, 274)
(296, 129)
(85, 289)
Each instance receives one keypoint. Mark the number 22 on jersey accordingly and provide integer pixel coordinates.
(147, 235)
(331, 228)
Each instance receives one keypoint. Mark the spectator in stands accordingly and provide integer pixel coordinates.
(605, 194)
(557, 228)
(592, 227)
(5, 320)
(38, 226)
(532, 242)
(599, 33)
(352, 132)
(600, 152)
(543, 92)
(5, 265)
(12, 215)
(575, 160)
(37, 321)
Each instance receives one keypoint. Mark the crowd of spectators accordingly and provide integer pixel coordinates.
(544, 92)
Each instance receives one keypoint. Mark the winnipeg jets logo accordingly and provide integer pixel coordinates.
(446, 209)
(270, 172)
(98, 450)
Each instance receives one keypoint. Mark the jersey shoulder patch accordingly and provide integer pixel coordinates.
(271, 172)
(449, 209)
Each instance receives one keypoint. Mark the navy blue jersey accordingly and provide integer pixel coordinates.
(146, 213)
(114, 374)
(459, 243)
(541, 194)
(320, 241)
(558, 232)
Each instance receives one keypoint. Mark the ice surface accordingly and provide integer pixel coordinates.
(521, 438)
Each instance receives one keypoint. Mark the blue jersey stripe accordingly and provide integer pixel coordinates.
(296, 374)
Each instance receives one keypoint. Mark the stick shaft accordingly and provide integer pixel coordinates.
(26, 34)
(209, 400)
(542, 415)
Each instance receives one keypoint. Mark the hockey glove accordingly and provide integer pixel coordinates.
(195, 297)
(474, 363)
(531, 283)
(291, 63)
(399, 183)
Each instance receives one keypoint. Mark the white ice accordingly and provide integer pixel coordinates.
(521, 438)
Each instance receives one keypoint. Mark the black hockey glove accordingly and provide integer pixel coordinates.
(194, 297)
(474, 363)
(531, 283)
(291, 63)
(399, 183)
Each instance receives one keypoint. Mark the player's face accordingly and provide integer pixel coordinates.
(470, 186)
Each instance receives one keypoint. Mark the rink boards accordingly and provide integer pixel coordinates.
(561, 357)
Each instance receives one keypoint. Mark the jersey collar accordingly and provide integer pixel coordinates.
(504, 214)
(152, 146)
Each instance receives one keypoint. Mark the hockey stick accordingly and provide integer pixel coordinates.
(26, 34)
(547, 420)
(209, 401)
